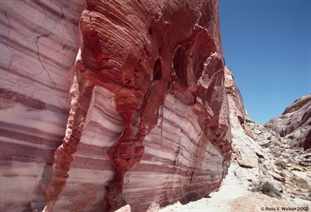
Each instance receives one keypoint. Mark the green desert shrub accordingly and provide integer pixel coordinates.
(266, 188)
(280, 164)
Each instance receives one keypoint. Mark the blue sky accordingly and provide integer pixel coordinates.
(267, 46)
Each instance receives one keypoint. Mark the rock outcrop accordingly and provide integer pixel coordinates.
(261, 156)
(243, 146)
(148, 121)
(265, 170)
(295, 123)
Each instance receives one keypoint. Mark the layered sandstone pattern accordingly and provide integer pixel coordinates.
(148, 123)
(38, 47)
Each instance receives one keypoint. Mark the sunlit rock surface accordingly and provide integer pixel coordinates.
(295, 123)
(244, 147)
(261, 154)
(148, 121)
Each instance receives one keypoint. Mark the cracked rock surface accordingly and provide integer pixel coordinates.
(267, 172)
(152, 115)
(38, 47)
(262, 154)
(148, 121)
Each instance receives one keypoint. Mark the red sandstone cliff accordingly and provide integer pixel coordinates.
(148, 123)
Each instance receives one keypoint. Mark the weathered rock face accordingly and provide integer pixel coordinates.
(148, 123)
(243, 145)
(38, 46)
(295, 123)
(261, 155)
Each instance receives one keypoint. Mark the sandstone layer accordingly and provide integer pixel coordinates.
(148, 122)
(38, 47)
(265, 170)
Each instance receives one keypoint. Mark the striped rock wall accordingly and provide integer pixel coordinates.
(38, 47)
(129, 107)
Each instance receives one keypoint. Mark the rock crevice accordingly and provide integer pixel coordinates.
(148, 118)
